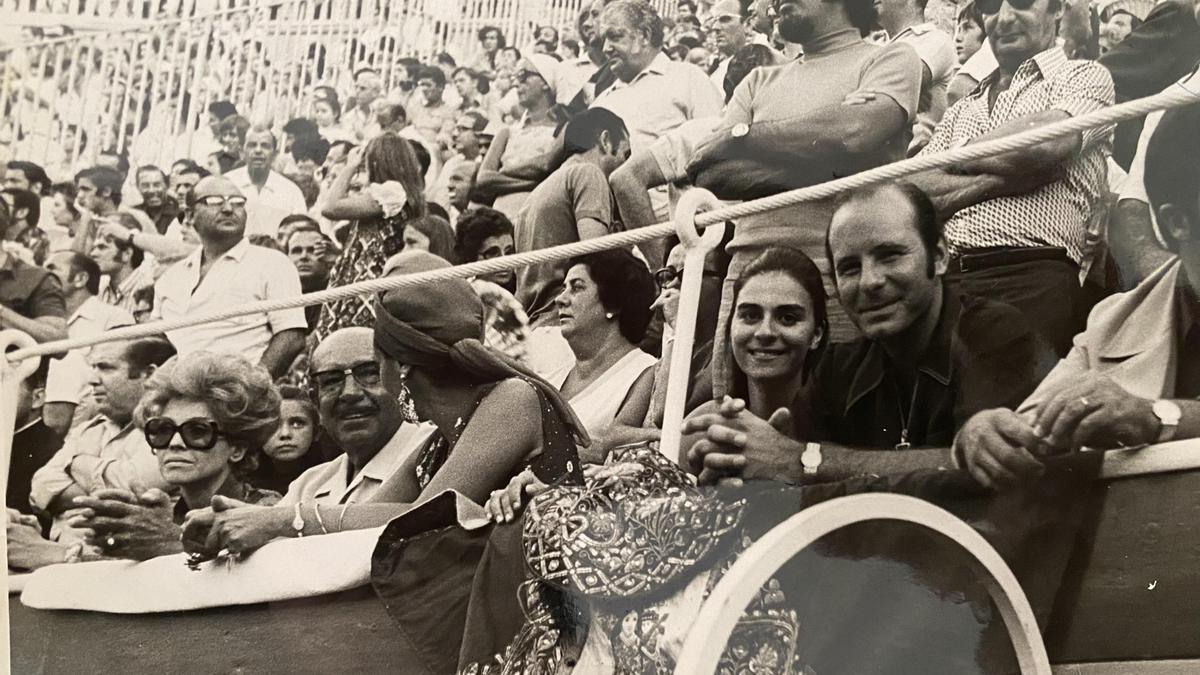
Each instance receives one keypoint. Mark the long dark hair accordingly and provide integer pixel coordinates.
(804, 271)
(390, 158)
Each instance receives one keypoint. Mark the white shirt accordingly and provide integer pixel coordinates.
(936, 50)
(330, 483)
(278, 199)
(67, 378)
(244, 274)
(660, 98)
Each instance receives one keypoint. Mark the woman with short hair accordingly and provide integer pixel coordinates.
(327, 113)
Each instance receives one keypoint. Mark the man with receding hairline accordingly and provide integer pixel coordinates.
(270, 196)
(227, 271)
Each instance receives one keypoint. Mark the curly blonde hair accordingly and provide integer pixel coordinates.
(241, 397)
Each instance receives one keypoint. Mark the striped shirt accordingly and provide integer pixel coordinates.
(1052, 215)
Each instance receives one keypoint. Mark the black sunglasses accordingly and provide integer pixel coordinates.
(993, 6)
(330, 382)
(198, 433)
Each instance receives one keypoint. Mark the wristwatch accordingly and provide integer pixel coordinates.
(810, 459)
(739, 130)
(1168, 414)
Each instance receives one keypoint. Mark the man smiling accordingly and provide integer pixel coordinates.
(929, 358)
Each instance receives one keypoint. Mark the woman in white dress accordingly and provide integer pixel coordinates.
(603, 311)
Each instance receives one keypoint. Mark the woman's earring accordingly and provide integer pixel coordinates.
(609, 316)
(408, 410)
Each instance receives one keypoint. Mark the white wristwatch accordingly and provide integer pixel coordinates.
(810, 459)
(739, 130)
(1168, 414)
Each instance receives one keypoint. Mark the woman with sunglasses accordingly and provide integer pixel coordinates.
(205, 417)
(524, 153)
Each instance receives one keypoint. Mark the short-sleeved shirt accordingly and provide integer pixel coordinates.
(98, 454)
(983, 355)
(243, 274)
(30, 291)
(278, 199)
(577, 190)
(936, 50)
(431, 120)
(660, 98)
(1052, 215)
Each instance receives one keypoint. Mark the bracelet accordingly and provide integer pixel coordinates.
(317, 510)
(298, 522)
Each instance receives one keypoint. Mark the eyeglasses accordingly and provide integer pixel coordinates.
(993, 6)
(198, 433)
(330, 382)
(218, 201)
(670, 276)
(315, 251)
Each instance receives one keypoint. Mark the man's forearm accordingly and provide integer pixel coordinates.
(951, 193)
(282, 350)
(42, 330)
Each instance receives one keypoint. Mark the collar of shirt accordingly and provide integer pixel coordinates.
(918, 29)
(936, 361)
(658, 66)
(109, 430)
(92, 310)
(1043, 63)
(240, 178)
(236, 253)
(379, 468)
(28, 425)
(8, 266)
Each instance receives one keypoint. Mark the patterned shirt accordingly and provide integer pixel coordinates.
(1052, 215)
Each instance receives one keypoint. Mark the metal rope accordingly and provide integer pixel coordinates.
(890, 172)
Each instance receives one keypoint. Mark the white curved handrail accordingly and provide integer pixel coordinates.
(707, 638)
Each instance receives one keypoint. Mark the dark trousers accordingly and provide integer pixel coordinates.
(1046, 291)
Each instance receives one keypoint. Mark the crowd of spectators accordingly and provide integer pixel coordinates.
(979, 318)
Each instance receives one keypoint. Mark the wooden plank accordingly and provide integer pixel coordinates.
(1174, 667)
(1132, 587)
(335, 633)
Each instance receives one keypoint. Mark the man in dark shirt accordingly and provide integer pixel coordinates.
(34, 443)
(929, 358)
(157, 203)
(31, 299)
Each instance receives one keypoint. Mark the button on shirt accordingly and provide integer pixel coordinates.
(243, 274)
(278, 199)
(1054, 214)
(331, 482)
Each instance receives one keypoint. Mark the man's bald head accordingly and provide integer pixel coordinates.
(345, 346)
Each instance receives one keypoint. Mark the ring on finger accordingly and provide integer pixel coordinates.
(1084, 401)
(110, 542)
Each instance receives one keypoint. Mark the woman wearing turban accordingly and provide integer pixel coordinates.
(494, 418)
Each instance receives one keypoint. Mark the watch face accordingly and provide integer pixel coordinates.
(1167, 412)
(740, 130)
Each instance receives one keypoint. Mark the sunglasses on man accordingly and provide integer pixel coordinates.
(198, 433)
(993, 6)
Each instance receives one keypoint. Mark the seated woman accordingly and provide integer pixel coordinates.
(293, 448)
(777, 332)
(493, 419)
(205, 416)
(603, 310)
